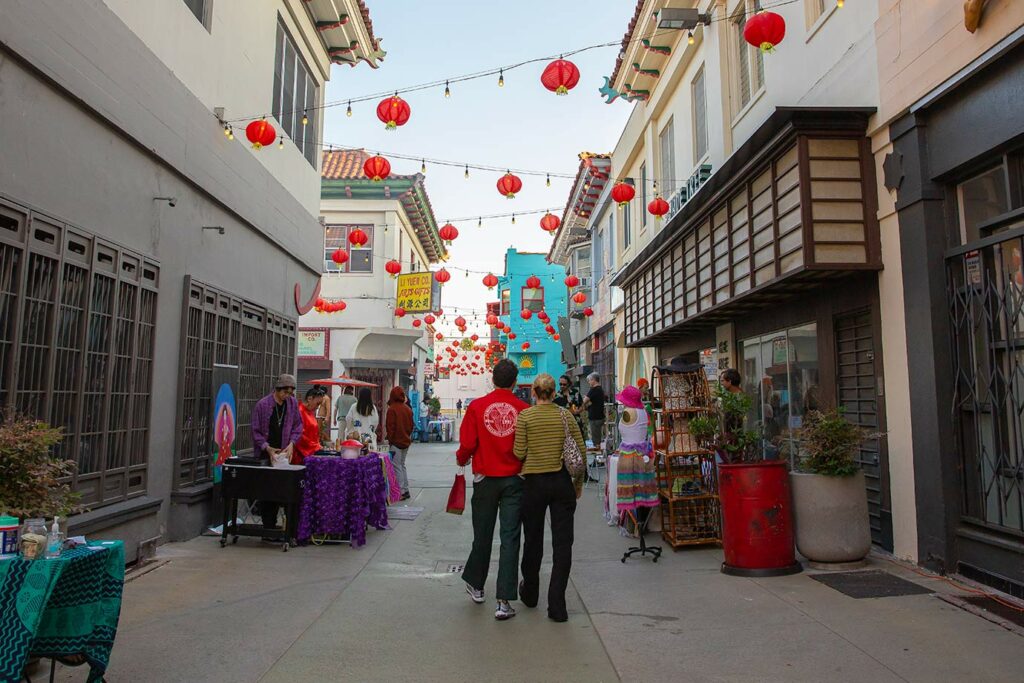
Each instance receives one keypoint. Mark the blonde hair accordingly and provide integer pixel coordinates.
(544, 387)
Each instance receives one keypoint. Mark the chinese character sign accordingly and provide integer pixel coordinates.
(414, 292)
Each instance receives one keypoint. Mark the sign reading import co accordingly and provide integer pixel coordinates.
(414, 292)
(312, 343)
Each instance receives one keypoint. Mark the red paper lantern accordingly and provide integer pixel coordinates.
(260, 133)
(462, 328)
(550, 222)
(560, 76)
(376, 168)
(512, 336)
(623, 193)
(460, 322)
(525, 346)
(526, 314)
(490, 282)
(448, 233)
(765, 30)
(439, 337)
(393, 267)
(533, 282)
(357, 238)
(474, 337)
(579, 297)
(338, 306)
(439, 312)
(549, 329)
(442, 276)
(399, 312)
(509, 184)
(572, 281)
(393, 112)
(588, 311)
(417, 322)
(658, 207)
(556, 337)
(429, 319)
(492, 319)
(340, 256)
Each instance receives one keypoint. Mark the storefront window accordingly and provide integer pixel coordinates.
(780, 372)
(981, 199)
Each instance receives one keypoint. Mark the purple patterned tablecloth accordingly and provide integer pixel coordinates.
(342, 496)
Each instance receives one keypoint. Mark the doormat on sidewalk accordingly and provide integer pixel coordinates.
(406, 513)
(870, 584)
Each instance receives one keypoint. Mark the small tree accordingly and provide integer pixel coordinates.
(434, 406)
(734, 443)
(829, 444)
(30, 477)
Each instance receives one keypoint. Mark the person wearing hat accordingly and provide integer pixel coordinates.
(276, 428)
(637, 484)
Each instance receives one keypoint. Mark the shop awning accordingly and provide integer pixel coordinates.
(383, 348)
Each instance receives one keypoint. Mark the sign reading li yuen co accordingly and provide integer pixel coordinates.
(414, 292)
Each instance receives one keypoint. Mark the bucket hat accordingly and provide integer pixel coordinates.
(630, 397)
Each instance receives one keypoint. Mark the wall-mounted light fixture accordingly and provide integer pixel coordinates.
(171, 201)
(682, 18)
(218, 228)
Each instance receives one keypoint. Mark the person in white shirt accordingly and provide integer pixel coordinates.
(363, 419)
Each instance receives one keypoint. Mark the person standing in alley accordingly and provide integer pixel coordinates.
(594, 403)
(398, 428)
(363, 419)
(486, 438)
(341, 407)
(547, 488)
(276, 428)
(458, 409)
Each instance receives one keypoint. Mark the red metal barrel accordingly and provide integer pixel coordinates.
(757, 519)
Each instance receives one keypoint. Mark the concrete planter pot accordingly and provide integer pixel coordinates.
(831, 518)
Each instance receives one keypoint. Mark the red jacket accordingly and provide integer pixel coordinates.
(309, 443)
(488, 433)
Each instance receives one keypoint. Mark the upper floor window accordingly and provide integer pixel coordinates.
(627, 237)
(598, 248)
(749, 67)
(982, 198)
(816, 9)
(582, 259)
(643, 195)
(203, 9)
(667, 144)
(506, 302)
(360, 259)
(700, 118)
(533, 299)
(609, 243)
(295, 96)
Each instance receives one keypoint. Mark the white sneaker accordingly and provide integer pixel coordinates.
(476, 595)
(504, 611)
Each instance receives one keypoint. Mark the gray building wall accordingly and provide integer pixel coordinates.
(93, 128)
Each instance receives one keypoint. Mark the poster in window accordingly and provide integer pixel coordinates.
(415, 292)
(312, 344)
(225, 382)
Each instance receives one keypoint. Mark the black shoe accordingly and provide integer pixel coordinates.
(405, 496)
(560, 617)
(525, 598)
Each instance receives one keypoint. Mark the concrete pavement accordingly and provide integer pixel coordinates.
(392, 610)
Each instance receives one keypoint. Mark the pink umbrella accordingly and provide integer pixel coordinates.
(342, 381)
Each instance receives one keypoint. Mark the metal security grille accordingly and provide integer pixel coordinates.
(986, 295)
(222, 328)
(76, 347)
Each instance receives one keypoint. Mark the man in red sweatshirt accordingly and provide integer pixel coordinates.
(487, 436)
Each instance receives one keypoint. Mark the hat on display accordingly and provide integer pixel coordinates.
(285, 381)
(630, 397)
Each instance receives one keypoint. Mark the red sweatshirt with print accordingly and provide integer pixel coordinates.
(488, 434)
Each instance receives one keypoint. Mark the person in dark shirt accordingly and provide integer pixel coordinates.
(569, 398)
(594, 403)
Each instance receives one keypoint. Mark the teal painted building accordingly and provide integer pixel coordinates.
(544, 353)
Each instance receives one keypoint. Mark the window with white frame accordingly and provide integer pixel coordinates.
(667, 144)
(506, 302)
(360, 259)
(295, 95)
(202, 9)
(700, 118)
(627, 237)
(533, 299)
(749, 67)
(643, 195)
(598, 256)
(609, 262)
(815, 9)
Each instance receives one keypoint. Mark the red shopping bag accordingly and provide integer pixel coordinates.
(457, 498)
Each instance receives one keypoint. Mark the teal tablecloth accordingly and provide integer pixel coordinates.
(60, 608)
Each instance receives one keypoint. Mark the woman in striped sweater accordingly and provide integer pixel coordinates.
(540, 433)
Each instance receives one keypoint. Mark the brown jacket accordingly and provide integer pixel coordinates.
(398, 421)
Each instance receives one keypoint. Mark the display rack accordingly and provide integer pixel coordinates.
(687, 474)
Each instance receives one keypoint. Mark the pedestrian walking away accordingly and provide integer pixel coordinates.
(548, 489)
(398, 427)
(458, 408)
(487, 439)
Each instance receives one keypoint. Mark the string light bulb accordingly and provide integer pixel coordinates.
(305, 118)
(280, 144)
(348, 112)
(513, 219)
(227, 130)
(466, 174)
(689, 38)
(840, 3)
(480, 222)
(447, 90)
(501, 78)
(423, 167)
(231, 133)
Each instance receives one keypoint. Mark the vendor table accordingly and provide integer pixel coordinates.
(64, 607)
(282, 484)
(342, 496)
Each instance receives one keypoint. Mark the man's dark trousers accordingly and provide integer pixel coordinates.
(496, 498)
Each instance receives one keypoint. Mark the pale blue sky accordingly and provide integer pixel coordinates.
(520, 125)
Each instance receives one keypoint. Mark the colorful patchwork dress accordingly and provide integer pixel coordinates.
(637, 482)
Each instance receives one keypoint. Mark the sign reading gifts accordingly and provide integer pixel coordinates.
(414, 292)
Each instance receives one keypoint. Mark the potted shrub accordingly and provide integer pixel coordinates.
(30, 477)
(757, 518)
(829, 498)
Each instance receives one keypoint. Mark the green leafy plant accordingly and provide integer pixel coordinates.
(30, 477)
(703, 428)
(434, 406)
(829, 443)
(734, 442)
